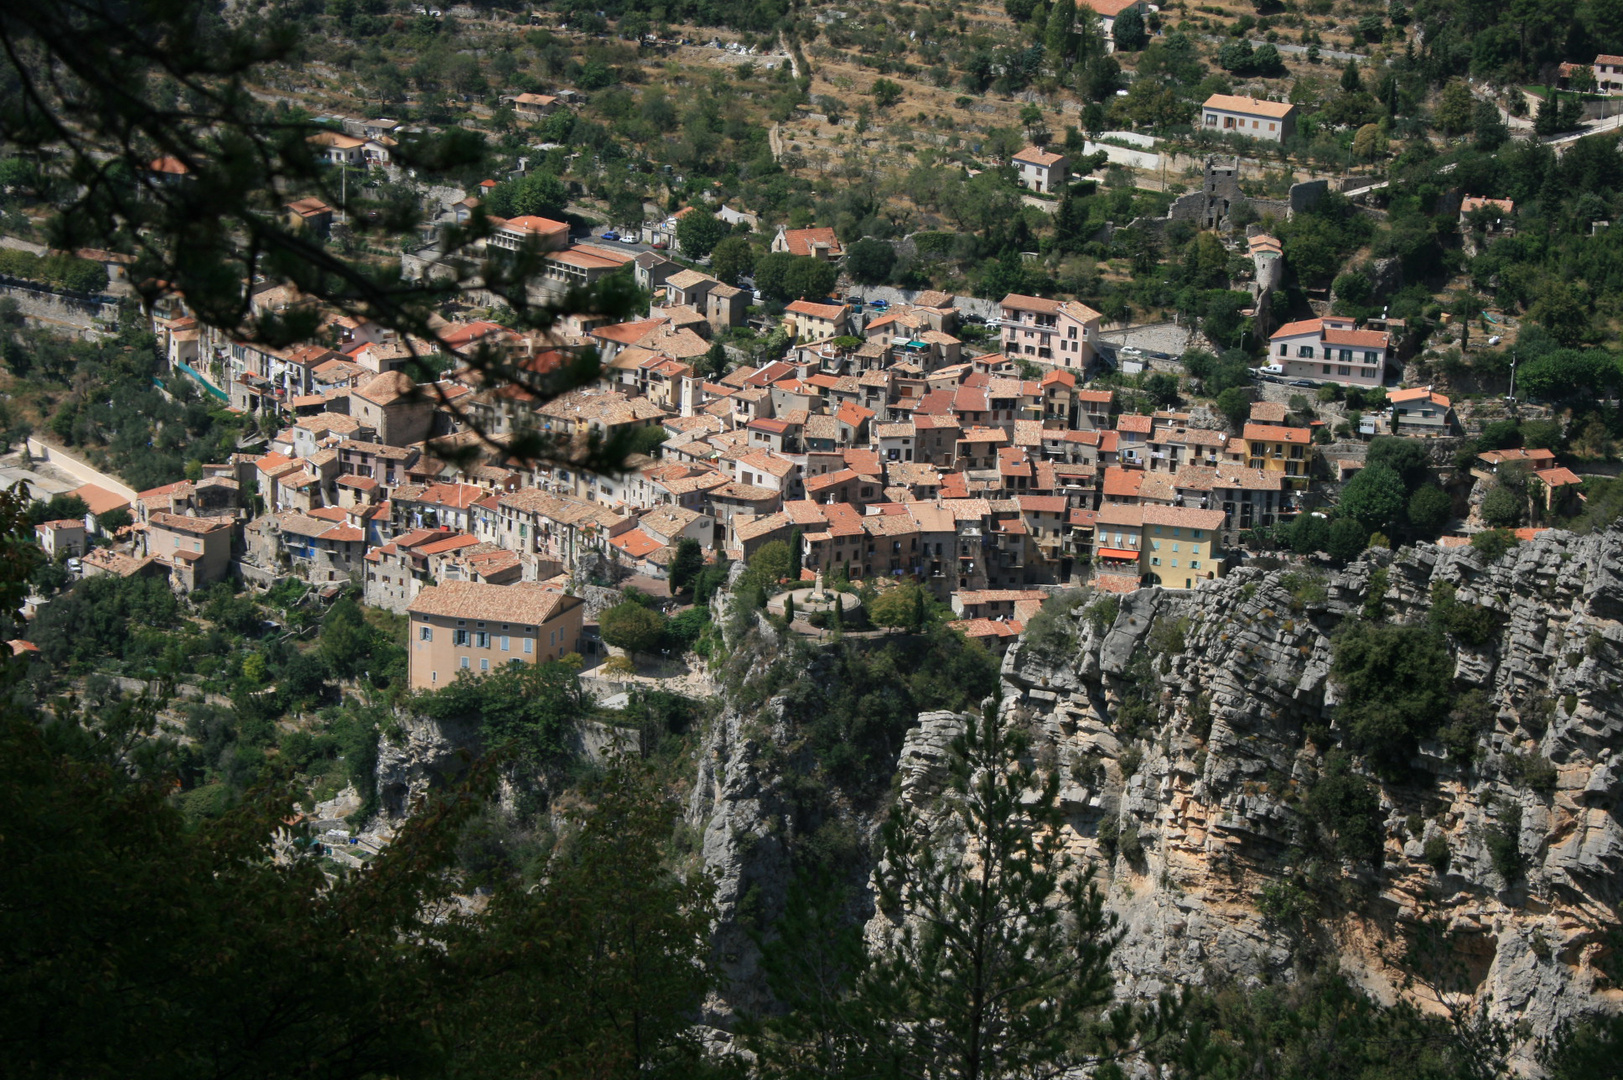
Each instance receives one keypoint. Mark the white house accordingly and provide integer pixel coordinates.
(1330, 350)
(1608, 73)
(1040, 171)
(1229, 114)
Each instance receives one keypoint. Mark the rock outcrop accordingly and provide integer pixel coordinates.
(1189, 728)
(1199, 721)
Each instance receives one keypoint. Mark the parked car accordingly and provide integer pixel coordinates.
(854, 299)
(1305, 383)
(879, 305)
(611, 236)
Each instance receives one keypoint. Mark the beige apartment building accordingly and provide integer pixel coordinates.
(474, 627)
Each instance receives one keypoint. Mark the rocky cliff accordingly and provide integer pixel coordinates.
(1191, 728)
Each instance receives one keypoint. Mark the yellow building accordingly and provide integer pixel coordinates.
(1274, 448)
(1181, 544)
(470, 626)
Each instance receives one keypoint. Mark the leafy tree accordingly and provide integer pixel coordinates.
(732, 258)
(1235, 404)
(99, 616)
(1455, 108)
(1374, 496)
(902, 607)
(522, 711)
(1129, 31)
(870, 261)
(886, 92)
(784, 277)
(539, 194)
(698, 232)
(999, 951)
(1346, 539)
(597, 970)
(1493, 543)
(1504, 507)
(1429, 509)
(686, 563)
(1162, 387)
(59, 508)
(633, 627)
(1406, 457)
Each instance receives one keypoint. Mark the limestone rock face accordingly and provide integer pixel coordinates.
(426, 754)
(1208, 702)
(1189, 727)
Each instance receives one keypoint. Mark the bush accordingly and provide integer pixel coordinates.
(1504, 845)
(1346, 806)
(1051, 632)
(619, 665)
(1504, 507)
(1492, 544)
(1471, 624)
(1396, 684)
(1435, 853)
(630, 626)
(1286, 903)
(1534, 771)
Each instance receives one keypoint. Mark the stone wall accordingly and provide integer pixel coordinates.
(59, 309)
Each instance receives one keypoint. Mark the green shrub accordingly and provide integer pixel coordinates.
(1435, 853)
(1492, 544)
(1534, 771)
(1305, 587)
(1051, 633)
(1103, 612)
(1396, 684)
(1471, 624)
(1286, 903)
(1168, 636)
(1504, 845)
(1347, 808)
(1462, 735)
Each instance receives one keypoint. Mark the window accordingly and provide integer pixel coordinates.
(481, 640)
(464, 663)
(1284, 349)
(1372, 358)
(484, 665)
(426, 634)
(1155, 561)
(1343, 370)
(433, 676)
(506, 641)
(1194, 564)
(1174, 562)
(1196, 533)
(1305, 352)
(459, 638)
(1326, 368)
(529, 645)
(1346, 354)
